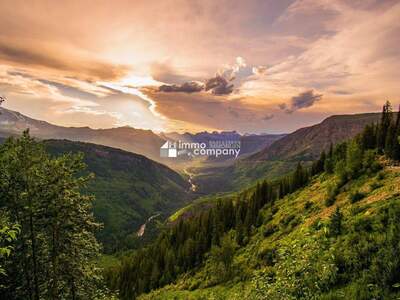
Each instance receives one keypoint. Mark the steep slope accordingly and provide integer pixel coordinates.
(139, 141)
(303, 145)
(129, 188)
(295, 253)
(307, 143)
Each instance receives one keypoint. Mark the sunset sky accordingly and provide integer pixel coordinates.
(251, 66)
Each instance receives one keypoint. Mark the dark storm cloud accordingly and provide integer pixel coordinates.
(187, 87)
(303, 100)
(218, 85)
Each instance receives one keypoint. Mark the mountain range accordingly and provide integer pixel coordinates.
(144, 142)
(303, 145)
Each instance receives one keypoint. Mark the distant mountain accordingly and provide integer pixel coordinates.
(249, 143)
(253, 143)
(303, 145)
(144, 142)
(307, 143)
(129, 188)
(139, 141)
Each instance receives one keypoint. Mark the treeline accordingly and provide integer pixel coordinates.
(185, 245)
(349, 160)
(48, 241)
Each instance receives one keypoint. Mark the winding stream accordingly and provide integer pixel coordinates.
(193, 187)
(143, 227)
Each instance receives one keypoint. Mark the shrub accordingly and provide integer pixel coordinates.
(308, 205)
(333, 191)
(317, 224)
(329, 201)
(286, 220)
(268, 256)
(380, 176)
(335, 224)
(356, 196)
(363, 225)
(269, 230)
(375, 185)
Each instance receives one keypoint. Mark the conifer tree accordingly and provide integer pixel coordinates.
(56, 247)
(335, 225)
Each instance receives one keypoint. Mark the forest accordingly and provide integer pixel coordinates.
(48, 248)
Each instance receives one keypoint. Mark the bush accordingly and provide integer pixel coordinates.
(269, 230)
(363, 225)
(317, 224)
(286, 220)
(333, 191)
(268, 256)
(375, 185)
(380, 176)
(308, 205)
(356, 196)
(329, 201)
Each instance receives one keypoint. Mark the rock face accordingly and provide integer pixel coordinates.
(307, 143)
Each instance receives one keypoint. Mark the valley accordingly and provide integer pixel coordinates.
(283, 196)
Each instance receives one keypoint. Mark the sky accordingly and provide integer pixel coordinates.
(267, 66)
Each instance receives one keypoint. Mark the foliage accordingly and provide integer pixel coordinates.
(128, 189)
(356, 196)
(305, 268)
(55, 249)
(8, 234)
(335, 223)
(333, 257)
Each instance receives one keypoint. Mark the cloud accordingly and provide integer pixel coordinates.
(303, 100)
(218, 85)
(229, 72)
(83, 67)
(259, 70)
(221, 84)
(166, 73)
(268, 117)
(187, 87)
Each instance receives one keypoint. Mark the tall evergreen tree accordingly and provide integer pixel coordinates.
(386, 121)
(56, 247)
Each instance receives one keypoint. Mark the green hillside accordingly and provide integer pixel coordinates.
(294, 252)
(328, 231)
(129, 188)
(304, 145)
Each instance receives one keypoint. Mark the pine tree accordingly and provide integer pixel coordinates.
(335, 225)
(386, 121)
(54, 252)
(396, 138)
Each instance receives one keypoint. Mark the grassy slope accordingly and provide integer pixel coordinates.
(240, 175)
(295, 229)
(245, 174)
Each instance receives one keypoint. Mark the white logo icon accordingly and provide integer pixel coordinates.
(169, 149)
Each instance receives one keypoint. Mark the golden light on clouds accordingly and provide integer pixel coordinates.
(251, 66)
